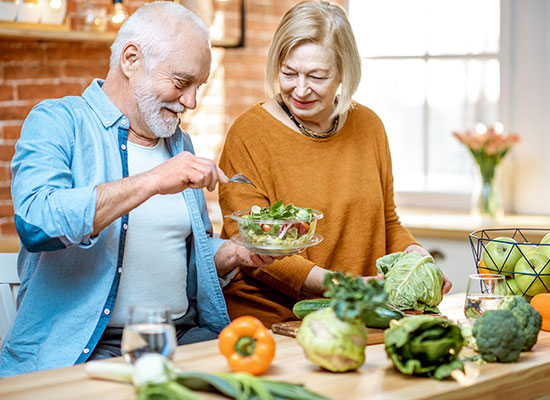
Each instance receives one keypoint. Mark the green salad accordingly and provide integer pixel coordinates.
(278, 225)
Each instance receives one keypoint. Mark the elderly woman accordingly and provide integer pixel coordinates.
(311, 145)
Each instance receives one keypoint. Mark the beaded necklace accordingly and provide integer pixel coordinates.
(306, 131)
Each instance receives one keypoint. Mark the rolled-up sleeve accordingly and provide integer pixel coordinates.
(50, 213)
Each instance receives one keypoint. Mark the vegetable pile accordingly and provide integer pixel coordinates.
(155, 378)
(278, 225)
(424, 345)
(335, 337)
(413, 281)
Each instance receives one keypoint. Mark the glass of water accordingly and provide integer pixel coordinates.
(484, 292)
(149, 329)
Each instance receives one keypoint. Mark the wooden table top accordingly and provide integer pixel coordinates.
(376, 379)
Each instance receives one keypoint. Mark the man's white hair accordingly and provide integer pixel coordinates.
(154, 27)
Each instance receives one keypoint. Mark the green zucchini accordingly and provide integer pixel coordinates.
(379, 317)
(304, 307)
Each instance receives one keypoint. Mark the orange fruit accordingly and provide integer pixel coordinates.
(482, 268)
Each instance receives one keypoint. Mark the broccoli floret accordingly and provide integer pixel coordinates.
(499, 336)
(529, 319)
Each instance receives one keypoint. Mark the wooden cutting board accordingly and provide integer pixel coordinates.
(374, 335)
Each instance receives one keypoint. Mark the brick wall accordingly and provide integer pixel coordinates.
(34, 70)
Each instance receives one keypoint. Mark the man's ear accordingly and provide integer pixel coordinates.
(131, 59)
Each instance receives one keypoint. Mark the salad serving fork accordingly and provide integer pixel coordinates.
(241, 179)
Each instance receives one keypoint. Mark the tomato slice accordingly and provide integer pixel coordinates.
(266, 227)
(303, 228)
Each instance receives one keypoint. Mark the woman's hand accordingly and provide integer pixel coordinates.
(368, 278)
(447, 284)
(418, 249)
(313, 285)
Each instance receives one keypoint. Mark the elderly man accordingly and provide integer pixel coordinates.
(109, 204)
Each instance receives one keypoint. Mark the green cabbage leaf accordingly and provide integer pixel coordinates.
(424, 345)
(413, 281)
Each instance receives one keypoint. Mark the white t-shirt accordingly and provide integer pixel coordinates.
(154, 267)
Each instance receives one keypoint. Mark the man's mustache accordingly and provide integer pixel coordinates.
(174, 107)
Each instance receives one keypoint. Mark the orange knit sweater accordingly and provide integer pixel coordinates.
(348, 177)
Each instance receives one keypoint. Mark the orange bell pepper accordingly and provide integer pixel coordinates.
(247, 345)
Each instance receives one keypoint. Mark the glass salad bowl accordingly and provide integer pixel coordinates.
(277, 230)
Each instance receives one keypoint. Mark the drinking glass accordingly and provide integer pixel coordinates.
(149, 329)
(484, 292)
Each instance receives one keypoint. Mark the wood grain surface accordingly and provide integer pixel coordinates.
(376, 379)
(374, 336)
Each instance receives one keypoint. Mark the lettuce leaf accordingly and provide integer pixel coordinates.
(424, 345)
(413, 281)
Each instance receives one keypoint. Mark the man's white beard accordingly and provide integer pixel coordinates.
(151, 108)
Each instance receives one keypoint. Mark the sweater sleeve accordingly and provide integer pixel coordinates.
(242, 153)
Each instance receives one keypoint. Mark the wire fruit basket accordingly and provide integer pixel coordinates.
(522, 255)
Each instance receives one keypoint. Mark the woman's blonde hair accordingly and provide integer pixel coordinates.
(322, 23)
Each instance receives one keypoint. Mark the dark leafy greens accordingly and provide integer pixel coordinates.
(352, 298)
(424, 345)
(413, 281)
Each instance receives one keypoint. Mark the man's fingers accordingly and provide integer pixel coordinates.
(222, 178)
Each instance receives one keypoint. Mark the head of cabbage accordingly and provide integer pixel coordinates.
(413, 281)
(332, 343)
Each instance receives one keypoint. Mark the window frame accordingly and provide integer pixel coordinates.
(438, 199)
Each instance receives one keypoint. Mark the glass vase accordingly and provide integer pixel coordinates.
(486, 197)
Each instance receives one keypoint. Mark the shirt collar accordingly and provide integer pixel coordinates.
(101, 104)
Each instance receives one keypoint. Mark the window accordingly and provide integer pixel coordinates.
(430, 67)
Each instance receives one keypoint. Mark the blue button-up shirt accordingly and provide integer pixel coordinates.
(69, 280)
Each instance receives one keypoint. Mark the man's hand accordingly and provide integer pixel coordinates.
(186, 170)
(230, 256)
